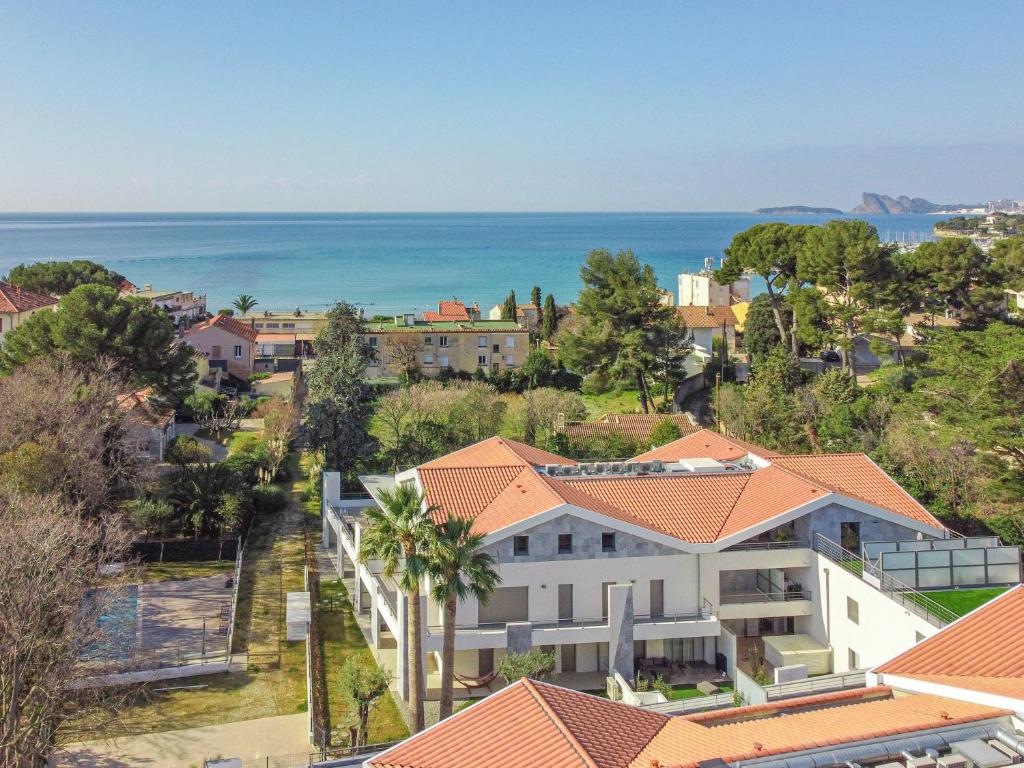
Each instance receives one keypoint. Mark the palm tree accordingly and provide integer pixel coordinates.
(400, 530)
(457, 570)
(244, 303)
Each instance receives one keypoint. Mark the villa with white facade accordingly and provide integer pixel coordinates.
(692, 558)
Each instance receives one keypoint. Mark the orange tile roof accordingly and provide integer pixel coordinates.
(14, 299)
(634, 426)
(705, 444)
(141, 408)
(497, 452)
(686, 741)
(530, 723)
(707, 317)
(495, 482)
(538, 724)
(227, 323)
(448, 311)
(857, 476)
(983, 651)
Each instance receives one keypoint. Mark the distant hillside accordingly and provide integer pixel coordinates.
(872, 202)
(790, 210)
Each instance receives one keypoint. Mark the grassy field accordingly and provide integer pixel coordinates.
(614, 402)
(341, 639)
(686, 691)
(963, 601)
(186, 569)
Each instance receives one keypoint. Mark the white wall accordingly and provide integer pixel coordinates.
(885, 627)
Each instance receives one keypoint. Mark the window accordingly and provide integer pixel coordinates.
(510, 361)
(443, 361)
(428, 358)
(481, 359)
(657, 598)
(428, 341)
(442, 341)
(849, 537)
(853, 610)
(215, 352)
(565, 543)
(854, 659)
(287, 325)
(520, 545)
(238, 350)
(272, 325)
(607, 542)
(373, 341)
(481, 341)
(495, 348)
(510, 341)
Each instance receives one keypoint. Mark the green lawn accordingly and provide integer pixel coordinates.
(625, 401)
(963, 601)
(342, 638)
(687, 691)
(186, 569)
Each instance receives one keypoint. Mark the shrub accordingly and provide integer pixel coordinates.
(269, 499)
(534, 664)
(185, 449)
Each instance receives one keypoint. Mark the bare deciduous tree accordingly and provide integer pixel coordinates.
(280, 425)
(51, 558)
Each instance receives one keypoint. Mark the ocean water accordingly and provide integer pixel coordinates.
(383, 262)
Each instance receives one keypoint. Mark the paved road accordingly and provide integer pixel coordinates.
(249, 739)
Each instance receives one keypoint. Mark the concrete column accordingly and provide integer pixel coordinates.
(518, 637)
(402, 641)
(620, 629)
(331, 487)
(325, 534)
(341, 557)
(374, 616)
(357, 598)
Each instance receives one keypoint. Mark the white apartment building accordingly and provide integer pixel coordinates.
(699, 289)
(689, 555)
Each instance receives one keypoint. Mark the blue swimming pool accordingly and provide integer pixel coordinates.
(117, 622)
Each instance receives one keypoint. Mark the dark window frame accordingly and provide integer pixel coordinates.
(605, 539)
(565, 550)
(520, 546)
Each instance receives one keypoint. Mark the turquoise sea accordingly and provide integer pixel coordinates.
(384, 262)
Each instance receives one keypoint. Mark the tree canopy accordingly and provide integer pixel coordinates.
(94, 323)
(60, 277)
(627, 333)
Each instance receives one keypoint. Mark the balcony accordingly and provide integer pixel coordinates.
(761, 604)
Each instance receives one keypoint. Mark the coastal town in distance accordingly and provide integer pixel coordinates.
(421, 386)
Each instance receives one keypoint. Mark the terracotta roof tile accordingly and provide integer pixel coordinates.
(983, 651)
(448, 311)
(686, 741)
(14, 299)
(142, 409)
(705, 444)
(857, 476)
(497, 452)
(707, 317)
(531, 724)
(227, 323)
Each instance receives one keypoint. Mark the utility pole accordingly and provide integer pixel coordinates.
(718, 400)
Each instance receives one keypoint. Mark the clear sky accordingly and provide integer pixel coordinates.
(515, 106)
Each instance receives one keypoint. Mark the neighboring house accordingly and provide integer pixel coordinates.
(17, 305)
(433, 345)
(126, 286)
(279, 329)
(634, 426)
(526, 314)
(279, 384)
(706, 324)
(206, 377)
(229, 343)
(697, 553)
(699, 289)
(182, 306)
(150, 425)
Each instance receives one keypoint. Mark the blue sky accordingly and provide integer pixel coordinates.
(574, 106)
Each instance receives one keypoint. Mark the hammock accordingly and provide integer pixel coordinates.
(481, 681)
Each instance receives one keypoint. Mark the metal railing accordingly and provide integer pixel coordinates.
(819, 684)
(748, 545)
(574, 623)
(916, 602)
(732, 598)
(695, 704)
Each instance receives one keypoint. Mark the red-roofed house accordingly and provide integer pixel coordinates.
(150, 425)
(17, 305)
(230, 343)
(685, 556)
